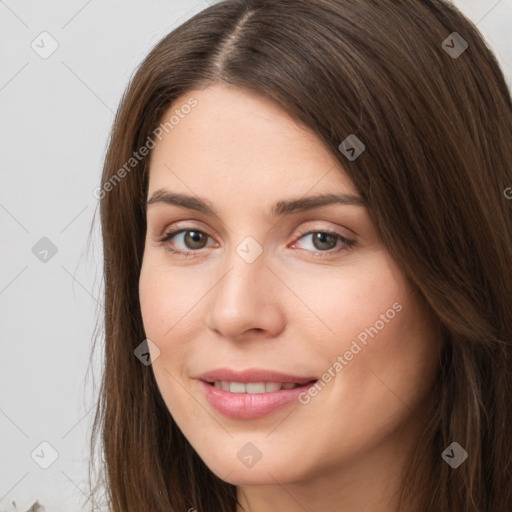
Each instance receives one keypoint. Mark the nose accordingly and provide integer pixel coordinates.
(246, 300)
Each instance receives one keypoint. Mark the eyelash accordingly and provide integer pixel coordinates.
(349, 243)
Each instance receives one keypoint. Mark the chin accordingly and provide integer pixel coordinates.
(266, 471)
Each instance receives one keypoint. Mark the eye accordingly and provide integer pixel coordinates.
(322, 242)
(193, 238)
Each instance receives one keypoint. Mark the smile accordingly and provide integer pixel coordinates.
(246, 401)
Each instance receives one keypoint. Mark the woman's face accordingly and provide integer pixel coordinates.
(292, 294)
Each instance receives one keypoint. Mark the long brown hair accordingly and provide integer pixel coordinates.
(437, 127)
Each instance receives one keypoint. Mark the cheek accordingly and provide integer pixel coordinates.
(166, 303)
(167, 300)
(379, 342)
(344, 302)
(389, 357)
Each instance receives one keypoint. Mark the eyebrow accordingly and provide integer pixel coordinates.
(280, 208)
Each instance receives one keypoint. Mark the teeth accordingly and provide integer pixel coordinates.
(258, 387)
(253, 387)
(237, 387)
(272, 386)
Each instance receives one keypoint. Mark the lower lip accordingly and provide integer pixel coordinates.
(251, 405)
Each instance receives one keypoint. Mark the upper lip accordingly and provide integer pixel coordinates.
(252, 375)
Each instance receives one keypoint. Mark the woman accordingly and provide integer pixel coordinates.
(307, 244)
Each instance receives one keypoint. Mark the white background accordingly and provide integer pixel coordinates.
(55, 122)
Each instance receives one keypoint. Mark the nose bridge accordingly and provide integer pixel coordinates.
(246, 272)
(243, 297)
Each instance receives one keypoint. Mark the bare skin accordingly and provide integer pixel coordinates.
(295, 309)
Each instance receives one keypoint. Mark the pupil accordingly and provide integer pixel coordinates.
(320, 238)
(192, 238)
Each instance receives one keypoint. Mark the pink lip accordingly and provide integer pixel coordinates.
(246, 406)
(251, 405)
(252, 375)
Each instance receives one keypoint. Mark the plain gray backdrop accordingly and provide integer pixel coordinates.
(65, 65)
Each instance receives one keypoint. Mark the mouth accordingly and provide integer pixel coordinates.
(253, 392)
(252, 400)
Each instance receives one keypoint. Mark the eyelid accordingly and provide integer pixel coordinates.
(180, 226)
(176, 226)
(310, 226)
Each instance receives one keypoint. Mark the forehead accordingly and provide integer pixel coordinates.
(238, 143)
